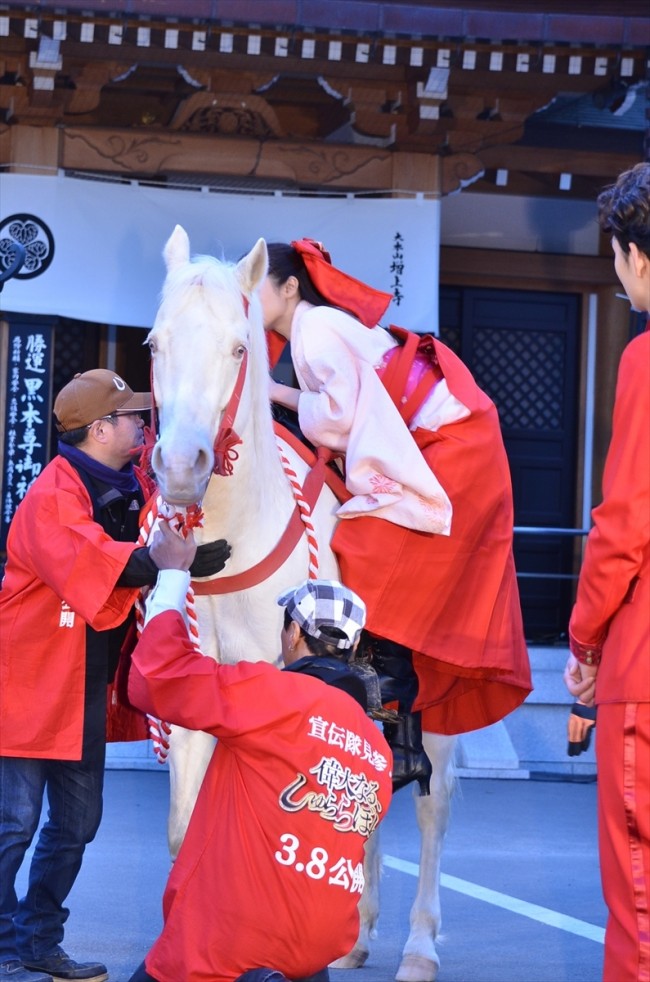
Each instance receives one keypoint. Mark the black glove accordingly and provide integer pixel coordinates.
(580, 733)
(210, 558)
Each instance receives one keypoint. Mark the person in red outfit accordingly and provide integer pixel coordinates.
(426, 535)
(269, 875)
(609, 630)
(73, 572)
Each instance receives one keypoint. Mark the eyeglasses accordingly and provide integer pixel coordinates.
(117, 413)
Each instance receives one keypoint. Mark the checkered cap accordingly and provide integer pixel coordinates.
(319, 605)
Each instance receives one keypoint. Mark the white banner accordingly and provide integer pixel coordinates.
(107, 240)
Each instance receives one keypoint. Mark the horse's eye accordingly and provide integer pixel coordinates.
(152, 345)
(240, 351)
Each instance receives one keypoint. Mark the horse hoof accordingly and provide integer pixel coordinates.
(414, 968)
(356, 958)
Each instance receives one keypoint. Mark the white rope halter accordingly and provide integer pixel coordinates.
(159, 730)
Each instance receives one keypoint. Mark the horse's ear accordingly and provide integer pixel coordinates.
(251, 270)
(177, 250)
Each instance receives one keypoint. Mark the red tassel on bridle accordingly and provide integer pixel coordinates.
(224, 454)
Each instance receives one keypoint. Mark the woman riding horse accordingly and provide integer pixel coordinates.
(426, 537)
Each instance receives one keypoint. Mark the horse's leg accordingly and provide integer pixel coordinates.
(368, 907)
(420, 961)
(189, 754)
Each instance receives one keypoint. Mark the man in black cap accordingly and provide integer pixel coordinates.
(72, 576)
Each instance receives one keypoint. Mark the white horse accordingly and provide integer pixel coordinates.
(208, 326)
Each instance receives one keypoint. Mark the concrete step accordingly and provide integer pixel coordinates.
(488, 752)
(532, 739)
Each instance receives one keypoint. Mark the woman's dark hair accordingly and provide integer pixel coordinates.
(317, 646)
(284, 262)
(624, 209)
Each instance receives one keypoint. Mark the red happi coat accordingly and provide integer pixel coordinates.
(60, 576)
(269, 872)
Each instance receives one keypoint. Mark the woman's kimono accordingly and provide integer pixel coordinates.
(426, 538)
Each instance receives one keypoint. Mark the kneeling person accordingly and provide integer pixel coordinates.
(271, 868)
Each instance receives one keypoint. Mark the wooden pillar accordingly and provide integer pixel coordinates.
(30, 149)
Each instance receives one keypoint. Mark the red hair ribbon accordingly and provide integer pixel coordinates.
(362, 301)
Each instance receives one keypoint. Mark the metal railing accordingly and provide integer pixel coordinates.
(537, 530)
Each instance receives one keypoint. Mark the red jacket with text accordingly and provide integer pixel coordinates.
(60, 577)
(271, 868)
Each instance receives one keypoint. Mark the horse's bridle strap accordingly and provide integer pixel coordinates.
(287, 543)
(226, 438)
(335, 484)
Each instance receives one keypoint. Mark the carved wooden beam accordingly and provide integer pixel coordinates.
(316, 165)
(227, 114)
(458, 170)
(162, 154)
(89, 81)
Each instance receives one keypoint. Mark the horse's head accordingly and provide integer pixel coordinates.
(208, 324)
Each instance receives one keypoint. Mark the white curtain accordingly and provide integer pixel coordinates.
(108, 241)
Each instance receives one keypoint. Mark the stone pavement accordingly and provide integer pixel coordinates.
(521, 892)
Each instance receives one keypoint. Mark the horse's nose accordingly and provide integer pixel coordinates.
(198, 459)
(204, 460)
(182, 474)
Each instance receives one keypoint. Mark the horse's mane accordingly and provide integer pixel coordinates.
(206, 271)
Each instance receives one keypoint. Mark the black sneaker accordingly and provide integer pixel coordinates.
(61, 968)
(15, 971)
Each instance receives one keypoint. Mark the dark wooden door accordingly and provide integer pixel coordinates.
(522, 348)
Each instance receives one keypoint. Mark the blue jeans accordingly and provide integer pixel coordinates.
(32, 928)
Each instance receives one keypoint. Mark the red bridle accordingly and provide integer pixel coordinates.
(226, 438)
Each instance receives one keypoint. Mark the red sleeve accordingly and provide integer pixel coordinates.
(173, 681)
(617, 542)
(57, 540)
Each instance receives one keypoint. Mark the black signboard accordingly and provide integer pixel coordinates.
(27, 411)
